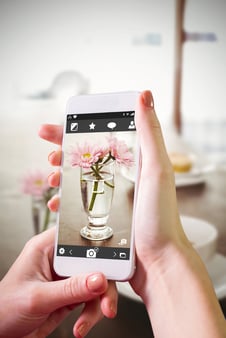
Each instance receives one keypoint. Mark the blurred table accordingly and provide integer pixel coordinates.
(206, 200)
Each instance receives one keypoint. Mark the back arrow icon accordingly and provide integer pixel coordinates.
(70, 252)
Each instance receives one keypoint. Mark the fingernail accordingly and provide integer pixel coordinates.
(51, 174)
(50, 206)
(113, 309)
(148, 99)
(96, 283)
(50, 155)
(82, 330)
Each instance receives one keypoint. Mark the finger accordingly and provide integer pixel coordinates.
(76, 289)
(55, 157)
(156, 170)
(156, 185)
(54, 203)
(109, 301)
(89, 317)
(53, 321)
(93, 312)
(54, 179)
(149, 132)
(51, 133)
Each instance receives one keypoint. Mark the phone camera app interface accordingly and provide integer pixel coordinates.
(91, 253)
(97, 185)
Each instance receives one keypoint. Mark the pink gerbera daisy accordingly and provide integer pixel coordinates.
(87, 155)
(120, 152)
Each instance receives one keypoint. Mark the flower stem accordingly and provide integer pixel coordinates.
(46, 219)
(97, 172)
(47, 197)
(94, 195)
(109, 184)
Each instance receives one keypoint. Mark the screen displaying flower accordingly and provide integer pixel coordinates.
(97, 163)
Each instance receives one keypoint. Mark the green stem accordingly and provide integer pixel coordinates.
(46, 220)
(108, 158)
(96, 169)
(94, 195)
(109, 184)
(47, 197)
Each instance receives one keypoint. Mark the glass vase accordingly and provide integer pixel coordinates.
(97, 190)
(41, 216)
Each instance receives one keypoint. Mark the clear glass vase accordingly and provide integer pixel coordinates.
(41, 216)
(97, 190)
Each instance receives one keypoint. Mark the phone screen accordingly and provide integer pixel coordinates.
(97, 185)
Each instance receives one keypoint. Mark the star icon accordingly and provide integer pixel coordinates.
(92, 126)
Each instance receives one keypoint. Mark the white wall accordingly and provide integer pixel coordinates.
(204, 74)
(204, 79)
(107, 41)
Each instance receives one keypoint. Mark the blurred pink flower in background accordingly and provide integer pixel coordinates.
(35, 183)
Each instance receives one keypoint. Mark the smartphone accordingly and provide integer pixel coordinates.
(99, 178)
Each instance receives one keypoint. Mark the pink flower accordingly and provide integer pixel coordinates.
(87, 155)
(120, 152)
(35, 183)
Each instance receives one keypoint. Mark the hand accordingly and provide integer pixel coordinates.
(170, 276)
(157, 221)
(34, 302)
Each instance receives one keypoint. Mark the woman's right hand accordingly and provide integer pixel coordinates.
(170, 276)
(158, 225)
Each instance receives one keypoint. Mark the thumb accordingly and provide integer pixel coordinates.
(152, 145)
(156, 190)
(77, 289)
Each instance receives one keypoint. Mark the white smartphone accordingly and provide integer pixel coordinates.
(99, 175)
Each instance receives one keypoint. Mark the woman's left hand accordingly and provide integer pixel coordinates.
(34, 300)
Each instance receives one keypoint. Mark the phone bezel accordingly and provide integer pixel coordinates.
(120, 270)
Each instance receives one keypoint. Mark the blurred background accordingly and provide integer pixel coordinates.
(51, 49)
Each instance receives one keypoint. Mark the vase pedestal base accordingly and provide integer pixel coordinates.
(96, 233)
